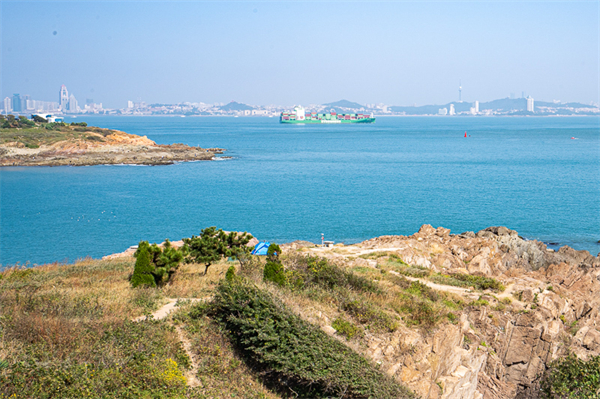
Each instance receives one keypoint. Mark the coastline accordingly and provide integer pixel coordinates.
(101, 147)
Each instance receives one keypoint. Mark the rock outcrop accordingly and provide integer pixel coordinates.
(97, 149)
(551, 306)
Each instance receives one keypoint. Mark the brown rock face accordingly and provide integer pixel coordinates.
(551, 305)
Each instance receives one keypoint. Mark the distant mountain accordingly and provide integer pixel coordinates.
(345, 104)
(505, 104)
(234, 106)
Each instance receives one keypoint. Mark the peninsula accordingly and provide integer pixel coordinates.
(37, 142)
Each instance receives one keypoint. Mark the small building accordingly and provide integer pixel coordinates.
(50, 118)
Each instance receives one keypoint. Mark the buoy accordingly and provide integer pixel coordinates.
(572, 138)
(465, 134)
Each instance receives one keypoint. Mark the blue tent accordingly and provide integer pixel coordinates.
(261, 248)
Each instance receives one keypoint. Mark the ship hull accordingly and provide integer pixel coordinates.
(327, 121)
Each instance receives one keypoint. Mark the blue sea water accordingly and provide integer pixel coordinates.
(350, 182)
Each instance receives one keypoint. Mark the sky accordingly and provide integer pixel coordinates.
(286, 53)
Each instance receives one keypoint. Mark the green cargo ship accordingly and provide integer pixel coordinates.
(299, 116)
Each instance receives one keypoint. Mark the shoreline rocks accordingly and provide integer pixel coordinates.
(117, 148)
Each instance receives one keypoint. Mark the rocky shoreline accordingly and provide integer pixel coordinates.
(97, 149)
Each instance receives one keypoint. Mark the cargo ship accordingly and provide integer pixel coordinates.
(300, 116)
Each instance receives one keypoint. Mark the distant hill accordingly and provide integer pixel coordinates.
(345, 104)
(505, 104)
(235, 106)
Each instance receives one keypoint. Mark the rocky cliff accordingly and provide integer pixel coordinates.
(499, 347)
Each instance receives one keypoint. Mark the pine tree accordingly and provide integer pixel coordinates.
(212, 244)
(142, 273)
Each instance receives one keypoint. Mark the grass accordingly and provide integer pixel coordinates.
(33, 137)
(65, 331)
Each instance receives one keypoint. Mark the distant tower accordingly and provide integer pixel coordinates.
(529, 104)
(63, 98)
(459, 92)
(16, 103)
(73, 104)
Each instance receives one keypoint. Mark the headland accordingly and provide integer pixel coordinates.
(432, 315)
(38, 143)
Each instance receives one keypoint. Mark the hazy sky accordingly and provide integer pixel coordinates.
(397, 53)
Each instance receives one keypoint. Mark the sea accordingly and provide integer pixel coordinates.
(539, 176)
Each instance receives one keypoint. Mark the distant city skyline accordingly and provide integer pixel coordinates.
(397, 53)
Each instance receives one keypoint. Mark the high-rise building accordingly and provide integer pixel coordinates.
(63, 98)
(443, 111)
(530, 104)
(73, 104)
(16, 103)
(129, 104)
(7, 105)
(452, 111)
(476, 106)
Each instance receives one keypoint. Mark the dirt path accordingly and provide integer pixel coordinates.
(166, 309)
(447, 288)
(190, 375)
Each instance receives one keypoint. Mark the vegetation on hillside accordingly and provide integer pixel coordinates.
(571, 378)
(299, 357)
(257, 331)
(34, 133)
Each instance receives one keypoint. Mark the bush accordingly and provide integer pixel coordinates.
(318, 271)
(572, 378)
(274, 272)
(230, 275)
(467, 280)
(366, 313)
(345, 328)
(296, 355)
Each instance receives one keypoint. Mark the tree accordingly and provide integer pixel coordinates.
(142, 273)
(162, 262)
(212, 244)
(39, 119)
(274, 270)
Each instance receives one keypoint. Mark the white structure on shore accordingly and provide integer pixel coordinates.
(529, 104)
(443, 111)
(476, 106)
(452, 111)
(7, 105)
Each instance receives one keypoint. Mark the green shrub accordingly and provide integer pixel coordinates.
(368, 314)
(572, 378)
(274, 272)
(467, 280)
(345, 328)
(297, 356)
(230, 275)
(420, 289)
(420, 312)
(318, 271)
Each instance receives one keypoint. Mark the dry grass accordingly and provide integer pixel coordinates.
(59, 320)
